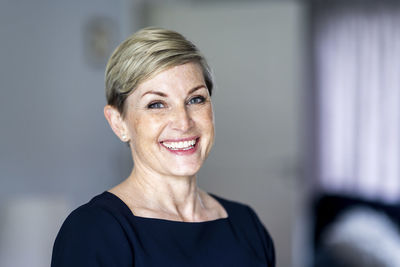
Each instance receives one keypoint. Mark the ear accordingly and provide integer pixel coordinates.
(117, 123)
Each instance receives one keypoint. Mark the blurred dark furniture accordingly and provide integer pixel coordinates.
(327, 208)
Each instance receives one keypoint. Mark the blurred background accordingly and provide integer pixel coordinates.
(306, 105)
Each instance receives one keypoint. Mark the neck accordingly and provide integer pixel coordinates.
(178, 197)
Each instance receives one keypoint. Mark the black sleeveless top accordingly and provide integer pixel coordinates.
(104, 232)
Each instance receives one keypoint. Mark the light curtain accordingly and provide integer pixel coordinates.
(357, 79)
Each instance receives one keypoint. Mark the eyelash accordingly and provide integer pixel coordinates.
(153, 105)
(200, 99)
(157, 104)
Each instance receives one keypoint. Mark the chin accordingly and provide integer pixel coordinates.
(185, 171)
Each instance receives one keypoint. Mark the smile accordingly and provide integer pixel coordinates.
(181, 145)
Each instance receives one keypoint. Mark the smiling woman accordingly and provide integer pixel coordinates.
(158, 89)
(159, 123)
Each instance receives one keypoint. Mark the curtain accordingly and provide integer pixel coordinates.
(356, 54)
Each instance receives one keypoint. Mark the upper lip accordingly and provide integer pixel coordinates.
(180, 139)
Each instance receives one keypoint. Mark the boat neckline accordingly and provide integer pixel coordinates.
(166, 220)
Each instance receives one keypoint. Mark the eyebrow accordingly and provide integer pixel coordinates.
(165, 95)
(155, 93)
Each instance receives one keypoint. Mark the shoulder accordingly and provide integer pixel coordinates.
(237, 210)
(97, 214)
(92, 232)
(246, 221)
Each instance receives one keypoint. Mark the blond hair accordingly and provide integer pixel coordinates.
(145, 54)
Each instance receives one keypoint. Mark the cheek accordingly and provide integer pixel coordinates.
(210, 116)
(145, 127)
(208, 130)
(207, 121)
(134, 127)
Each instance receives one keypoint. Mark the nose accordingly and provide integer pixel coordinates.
(181, 119)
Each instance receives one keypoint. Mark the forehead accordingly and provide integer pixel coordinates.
(174, 79)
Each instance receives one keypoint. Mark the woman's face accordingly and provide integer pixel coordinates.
(169, 121)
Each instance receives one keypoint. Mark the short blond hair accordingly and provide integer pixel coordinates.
(145, 54)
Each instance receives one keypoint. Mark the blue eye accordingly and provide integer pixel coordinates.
(155, 105)
(197, 100)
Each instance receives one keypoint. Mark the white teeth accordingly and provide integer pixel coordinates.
(182, 145)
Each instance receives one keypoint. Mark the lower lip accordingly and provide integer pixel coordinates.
(184, 152)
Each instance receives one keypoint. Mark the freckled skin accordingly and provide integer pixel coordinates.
(177, 118)
(172, 105)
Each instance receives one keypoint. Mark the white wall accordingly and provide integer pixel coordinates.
(256, 51)
(55, 147)
(53, 133)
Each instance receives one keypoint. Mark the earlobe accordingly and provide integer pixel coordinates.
(116, 122)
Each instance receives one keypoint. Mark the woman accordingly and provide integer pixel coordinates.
(158, 89)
